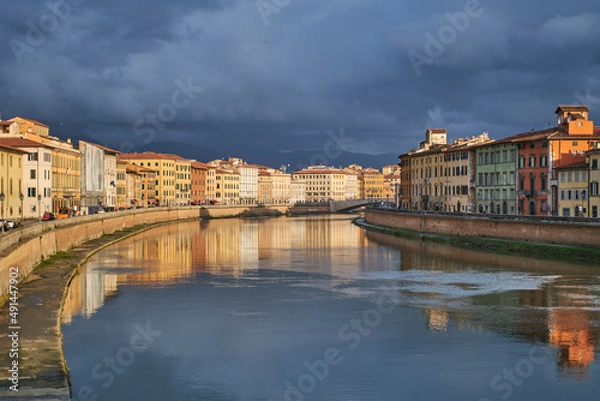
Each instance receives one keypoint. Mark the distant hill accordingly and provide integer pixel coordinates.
(297, 159)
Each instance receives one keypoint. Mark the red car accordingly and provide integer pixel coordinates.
(48, 216)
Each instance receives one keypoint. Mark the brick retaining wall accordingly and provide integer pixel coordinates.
(538, 229)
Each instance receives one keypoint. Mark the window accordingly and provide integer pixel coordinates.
(562, 194)
(32, 174)
(543, 161)
(532, 161)
(31, 192)
(594, 164)
(576, 176)
(563, 176)
(521, 161)
(594, 188)
(521, 183)
(543, 183)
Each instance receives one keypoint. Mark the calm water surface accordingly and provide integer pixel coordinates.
(314, 308)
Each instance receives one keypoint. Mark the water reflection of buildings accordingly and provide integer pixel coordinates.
(87, 293)
(570, 333)
(554, 314)
(162, 256)
(173, 253)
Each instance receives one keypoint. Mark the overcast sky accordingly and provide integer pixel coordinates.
(263, 79)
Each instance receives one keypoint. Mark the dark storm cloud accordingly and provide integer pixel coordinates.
(104, 67)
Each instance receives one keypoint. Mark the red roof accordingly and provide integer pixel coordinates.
(575, 165)
(150, 155)
(200, 165)
(22, 143)
(12, 148)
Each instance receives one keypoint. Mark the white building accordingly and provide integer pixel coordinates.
(98, 176)
(297, 191)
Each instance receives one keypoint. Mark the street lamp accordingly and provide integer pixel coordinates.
(21, 197)
(2, 199)
(39, 198)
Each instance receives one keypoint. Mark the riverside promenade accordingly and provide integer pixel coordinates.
(41, 370)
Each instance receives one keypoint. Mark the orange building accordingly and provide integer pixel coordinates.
(542, 152)
(199, 175)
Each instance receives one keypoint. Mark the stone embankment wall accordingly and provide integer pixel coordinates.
(538, 229)
(26, 247)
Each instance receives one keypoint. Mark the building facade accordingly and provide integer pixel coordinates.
(11, 183)
(496, 178)
(37, 176)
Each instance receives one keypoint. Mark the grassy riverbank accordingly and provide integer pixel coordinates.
(587, 255)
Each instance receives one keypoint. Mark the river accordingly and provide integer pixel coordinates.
(315, 308)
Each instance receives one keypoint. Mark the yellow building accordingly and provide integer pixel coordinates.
(573, 190)
(183, 181)
(227, 186)
(373, 183)
(165, 167)
(594, 180)
(265, 185)
(37, 176)
(323, 184)
(280, 187)
(442, 176)
(211, 181)
(134, 177)
(11, 183)
(121, 185)
(66, 162)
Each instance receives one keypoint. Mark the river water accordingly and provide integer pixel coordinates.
(315, 308)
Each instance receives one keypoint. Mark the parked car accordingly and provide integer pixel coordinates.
(48, 216)
(64, 213)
